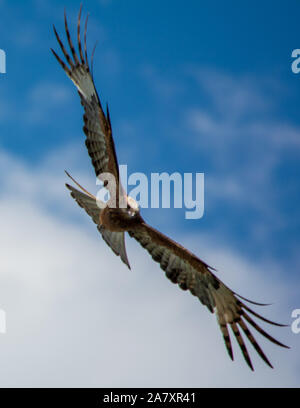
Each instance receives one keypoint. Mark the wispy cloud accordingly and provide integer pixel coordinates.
(246, 140)
(75, 315)
(43, 98)
(72, 306)
(234, 95)
(161, 85)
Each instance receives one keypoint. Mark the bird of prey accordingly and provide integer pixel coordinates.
(180, 265)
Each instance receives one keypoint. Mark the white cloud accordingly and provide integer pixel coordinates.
(77, 317)
(240, 132)
(52, 92)
(240, 107)
(162, 86)
(232, 95)
(43, 98)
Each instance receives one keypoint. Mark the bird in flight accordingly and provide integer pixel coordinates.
(180, 265)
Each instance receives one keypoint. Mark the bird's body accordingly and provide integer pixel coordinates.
(113, 220)
(120, 219)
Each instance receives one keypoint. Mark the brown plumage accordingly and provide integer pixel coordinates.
(180, 265)
(97, 126)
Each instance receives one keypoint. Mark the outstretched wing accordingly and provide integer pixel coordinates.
(97, 126)
(115, 240)
(189, 272)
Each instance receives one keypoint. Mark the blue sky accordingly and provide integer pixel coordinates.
(192, 87)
